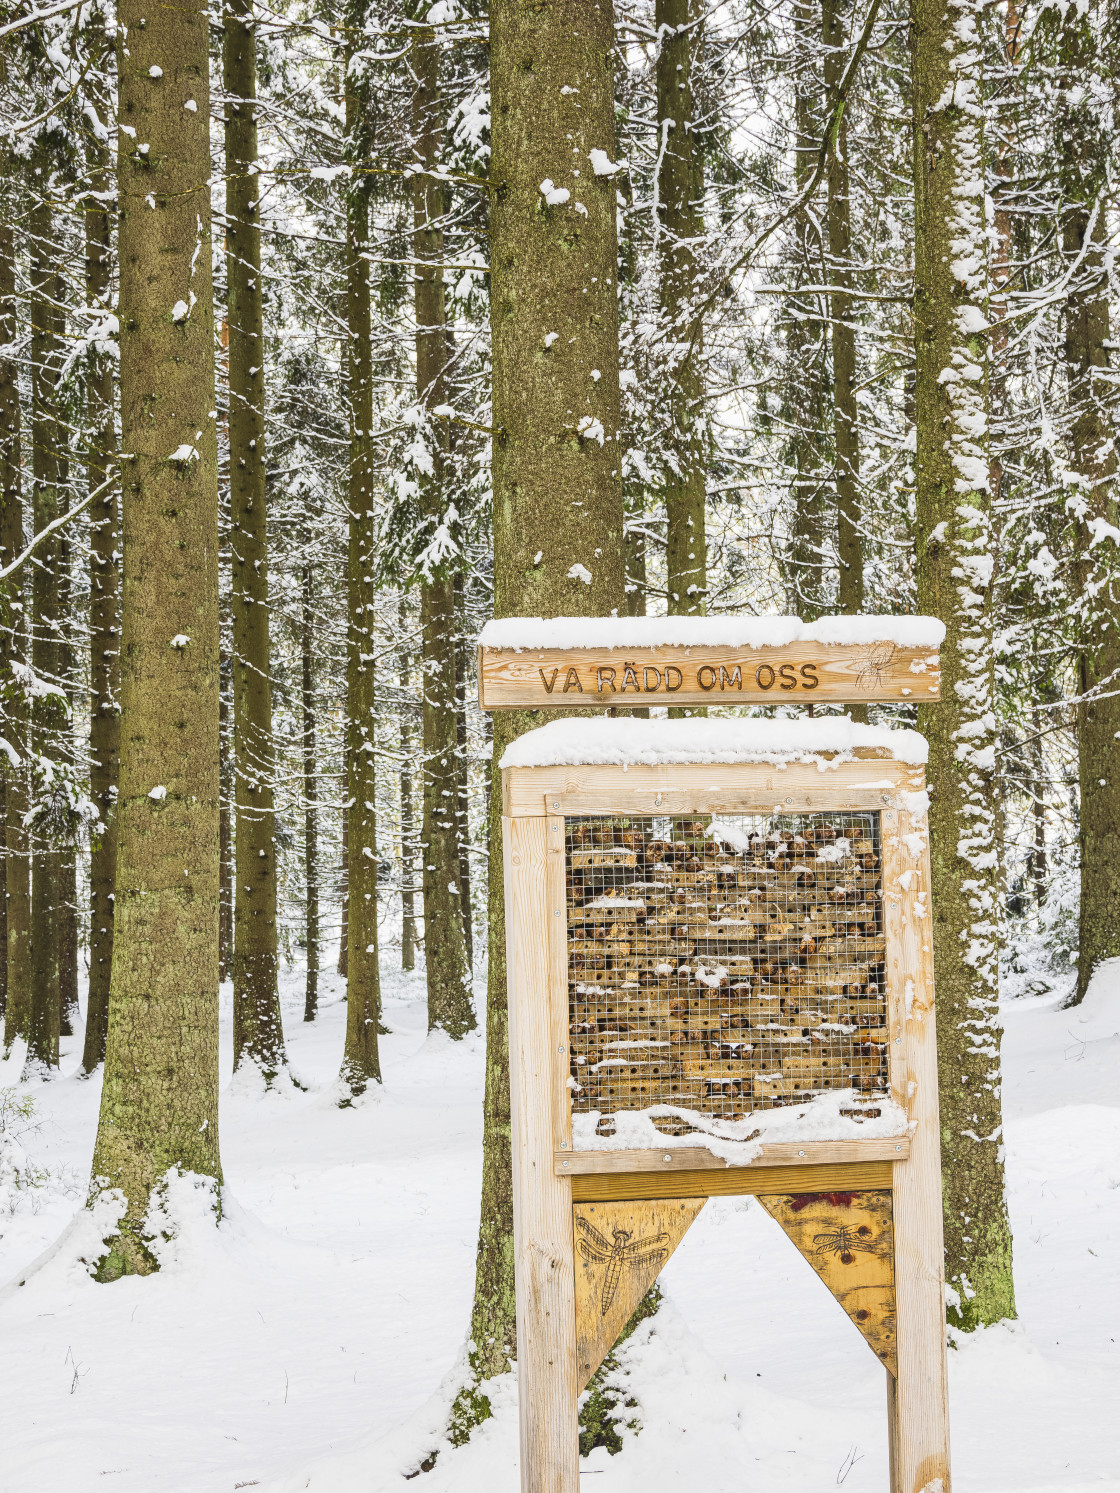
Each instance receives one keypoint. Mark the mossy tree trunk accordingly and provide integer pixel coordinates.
(159, 1104)
(680, 224)
(361, 1062)
(104, 609)
(49, 712)
(1083, 145)
(558, 516)
(258, 1036)
(17, 863)
(445, 955)
(955, 575)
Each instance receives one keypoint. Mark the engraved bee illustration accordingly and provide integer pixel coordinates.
(877, 658)
(844, 1241)
(623, 1251)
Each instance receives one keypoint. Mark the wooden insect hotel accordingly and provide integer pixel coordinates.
(720, 982)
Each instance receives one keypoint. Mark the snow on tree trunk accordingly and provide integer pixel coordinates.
(361, 1062)
(445, 955)
(955, 572)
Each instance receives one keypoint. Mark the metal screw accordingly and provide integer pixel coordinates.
(556, 804)
(789, 800)
(898, 1148)
(897, 1040)
(563, 1145)
(668, 1158)
(565, 1163)
(560, 1049)
(556, 914)
(801, 1153)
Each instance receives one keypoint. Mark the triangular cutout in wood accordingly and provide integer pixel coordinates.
(621, 1249)
(848, 1238)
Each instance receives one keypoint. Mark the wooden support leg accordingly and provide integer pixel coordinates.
(918, 1403)
(892, 1432)
(542, 1202)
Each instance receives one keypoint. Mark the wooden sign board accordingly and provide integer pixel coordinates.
(566, 678)
(740, 954)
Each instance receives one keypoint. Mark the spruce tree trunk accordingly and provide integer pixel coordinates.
(462, 771)
(360, 1062)
(48, 715)
(635, 569)
(680, 194)
(804, 392)
(344, 894)
(310, 794)
(955, 565)
(3, 902)
(258, 1036)
(408, 820)
(159, 1103)
(445, 956)
(1083, 147)
(104, 615)
(225, 828)
(68, 935)
(845, 415)
(558, 520)
(17, 863)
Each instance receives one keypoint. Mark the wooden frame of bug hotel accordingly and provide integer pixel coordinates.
(720, 982)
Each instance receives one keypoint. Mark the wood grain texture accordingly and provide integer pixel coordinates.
(920, 1449)
(732, 1181)
(560, 678)
(870, 780)
(620, 1250)
(542, 1202)
(848, 1239)
(694, 1158)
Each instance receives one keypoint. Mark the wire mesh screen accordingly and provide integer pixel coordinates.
(721, 966)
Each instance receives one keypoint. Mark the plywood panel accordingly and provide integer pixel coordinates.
(694, 1158)
(558, 679)
(620, 1248)
(870, 779)
(848, 1239)
(733, 1181)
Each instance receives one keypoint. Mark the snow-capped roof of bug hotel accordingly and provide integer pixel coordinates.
(602, 741)
(523, 634)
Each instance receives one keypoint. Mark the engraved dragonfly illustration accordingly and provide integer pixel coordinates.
(844, 1241)
(623, 1251)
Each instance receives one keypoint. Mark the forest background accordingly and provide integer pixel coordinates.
(554, 310)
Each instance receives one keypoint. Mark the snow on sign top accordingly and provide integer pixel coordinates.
(597, 740)
(565, 662)
(552, 633)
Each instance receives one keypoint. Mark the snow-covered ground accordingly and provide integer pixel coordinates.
(303, 1344)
